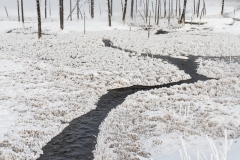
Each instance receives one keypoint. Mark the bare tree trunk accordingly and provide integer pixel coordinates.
(18, 11)
(124, 11)
(122, 4)
(92, 9)
(169, 12)
(222, 8)
(111, 7)
(78, 9)
(6, 11)
(176, 7)
(50, 8)
(194, 5)
(198, 9)
(182, 20)
(172, 8)
(159, 3)
(165, 8)
(147, 8)
(39, 20)
(179, 9)
(22, 13)
(70, 10)
(45, 9)
(109, 14)
(84, 23)
(149, 25)
(156, 4)
(61, 14)
(100, 8)
(132, 4)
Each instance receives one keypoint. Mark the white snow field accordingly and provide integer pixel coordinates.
(219, 68)
(148, 125)
(45, 84)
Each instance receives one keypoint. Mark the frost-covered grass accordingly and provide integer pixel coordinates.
(219, 68)
(46, 84)
(197, 43)
(148, 125)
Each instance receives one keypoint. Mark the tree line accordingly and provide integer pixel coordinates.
(179, 12)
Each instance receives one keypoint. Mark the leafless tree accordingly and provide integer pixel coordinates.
(50, 8)
(22, 13)
(61, 14)
(198, 8)
(165, 8)
(39, 20)
(124, 11)
(109, 14)
(70, 9)
(18, 11)
(158, 14)
(45, 9)
(6, 11)
(182, 20)
(222, 8)
(78, 9)
(92, 9)
(132, 4)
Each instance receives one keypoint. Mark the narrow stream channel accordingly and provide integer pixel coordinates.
(78, 140)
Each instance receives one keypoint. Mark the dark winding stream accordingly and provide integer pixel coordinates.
(78, 140)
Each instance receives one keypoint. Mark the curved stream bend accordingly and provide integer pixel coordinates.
(78, 140)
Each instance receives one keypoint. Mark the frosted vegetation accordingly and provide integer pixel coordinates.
(48, 83)
(219, 68)
(197, 43)
(148, 124)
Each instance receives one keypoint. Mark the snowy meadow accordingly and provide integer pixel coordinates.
(46, 83)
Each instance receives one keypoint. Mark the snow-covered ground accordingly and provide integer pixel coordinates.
(198, 43)
(219, 67)
(148, 125)
(46, 83)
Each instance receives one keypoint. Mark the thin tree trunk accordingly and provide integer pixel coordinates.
(100, 8)
(50, 8)
(111, 7)
(78, 9)
(124, 11)
(222, 8)
(122, 4)
(194, 11)
(132, 4)
(149, 25)
(156, 13)
(92, 9)
(6, 11)
(45, 9)
(109, 14)
(159, 3)
(84, 23)
(61, 14)
(176, 7)
(198, 9)
(147, 8)
(39, 20)
(18, 11)
(179, 9)
(165, 8)
(70, 10)
(169, 12)
(22, 13)
(182, 20)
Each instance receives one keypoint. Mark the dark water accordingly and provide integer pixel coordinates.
(77, 141)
